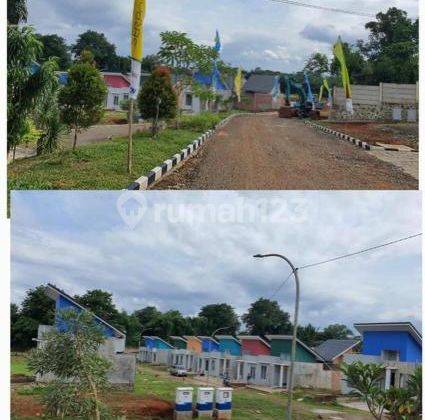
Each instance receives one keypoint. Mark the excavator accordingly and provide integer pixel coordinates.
(307, 106)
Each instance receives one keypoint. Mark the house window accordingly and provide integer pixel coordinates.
(390, 355)
(241, 370)
(125, 96)
(263, 373)
(116, 100)
(189, 99)
(252, 370)
(212, 365)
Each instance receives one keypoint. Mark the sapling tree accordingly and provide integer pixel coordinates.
(71, 354)
(81, 100)
(157, 98)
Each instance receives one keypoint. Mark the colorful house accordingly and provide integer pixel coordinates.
(281, 346)
(392, 341)
(153, 342)
(178, 342)
(194, 344)
(209, 344)
(334, 350)
(229, 344)
(254, 345)
(64, 302)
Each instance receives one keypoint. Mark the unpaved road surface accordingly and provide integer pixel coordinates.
(266, 152)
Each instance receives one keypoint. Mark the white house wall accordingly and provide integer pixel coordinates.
(112, 93)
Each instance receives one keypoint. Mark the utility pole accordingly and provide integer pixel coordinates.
(294, 334)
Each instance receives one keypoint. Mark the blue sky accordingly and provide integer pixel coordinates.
(254, 32)
(183, 250)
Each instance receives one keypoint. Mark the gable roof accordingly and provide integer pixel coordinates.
(162, 340)
(333, 348)
(227, 337)
(176, 337)
(390, 326)
(116, 80)
(302, 344)
(53, 292)
(204, 337)
(260, 83)
(255, 338)
(191, 337)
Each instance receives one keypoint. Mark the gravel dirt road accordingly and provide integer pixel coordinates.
(266, 152)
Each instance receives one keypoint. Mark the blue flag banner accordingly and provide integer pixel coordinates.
(217, 46)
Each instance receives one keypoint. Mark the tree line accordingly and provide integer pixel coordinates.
(263, 317)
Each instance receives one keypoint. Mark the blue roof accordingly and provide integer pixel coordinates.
(206, 80)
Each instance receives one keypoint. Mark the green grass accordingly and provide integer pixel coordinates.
(103, 165)
(19, 366)
(247, 403)
(97, 166)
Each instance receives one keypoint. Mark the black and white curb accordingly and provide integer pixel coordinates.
(144, 182)
(356, 142)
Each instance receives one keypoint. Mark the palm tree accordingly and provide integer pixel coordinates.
(16, 11)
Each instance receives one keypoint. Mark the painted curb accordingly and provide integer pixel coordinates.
(144, 182)
(353, 140)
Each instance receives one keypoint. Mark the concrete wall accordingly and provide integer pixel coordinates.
(401, 370)
(120, 93)
(378, 102)
(312, 375)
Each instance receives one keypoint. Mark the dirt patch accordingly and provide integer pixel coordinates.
(26, 406)
(140, 407)
(21, 379)
(390, 133)
(267, 152)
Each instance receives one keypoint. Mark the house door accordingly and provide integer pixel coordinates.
(276, 377)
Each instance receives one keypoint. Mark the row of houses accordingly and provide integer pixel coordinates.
(265, 361)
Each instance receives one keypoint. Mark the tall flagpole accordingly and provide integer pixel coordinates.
(139, 12)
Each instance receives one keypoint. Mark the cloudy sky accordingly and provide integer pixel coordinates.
(254, 32)
(186, 249)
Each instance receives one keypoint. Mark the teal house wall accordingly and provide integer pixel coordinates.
(281, 346)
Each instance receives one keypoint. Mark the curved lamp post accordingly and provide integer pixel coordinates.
(294, 334)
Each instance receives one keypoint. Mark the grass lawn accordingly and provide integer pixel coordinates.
(153, 382)
(97, 166)
(18, 366)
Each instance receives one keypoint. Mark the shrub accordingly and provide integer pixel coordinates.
(201, 122)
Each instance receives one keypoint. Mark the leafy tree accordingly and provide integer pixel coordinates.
(73, 357)
(336, 331)
(36, 309)
(414, 386)
(220, 315)
(157, 99)
(16, 11)
(103, 51)
(131, 325)
(266, 317)
(150, 63)
(27, 82)
(147, 316)
(54, 46)
(365, 379)
(100, 303)
(81, 100)
(38, 306)
(317, 64)
(308, 334)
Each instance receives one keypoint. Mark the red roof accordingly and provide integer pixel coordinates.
(116, 81)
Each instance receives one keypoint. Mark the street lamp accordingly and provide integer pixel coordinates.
(209, 348)
(294, 334)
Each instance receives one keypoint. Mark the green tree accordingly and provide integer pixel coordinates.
(157, 99)
(266, 317)
(308, 334)
(100, 303)
(147, 315)
(131, 325)
(54, 46)
(365, 379)
(336, 331)
(36, 309)
(27, 82)
(150, 63)
(81, 100)
(103, 51)
(317, 64)
(73, 357)
(16, 11)
(220, 315)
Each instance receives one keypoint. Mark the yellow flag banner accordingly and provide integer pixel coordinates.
(321, 92)
(326, 85)
(238, 84)
(139, 12)
(339, 54)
